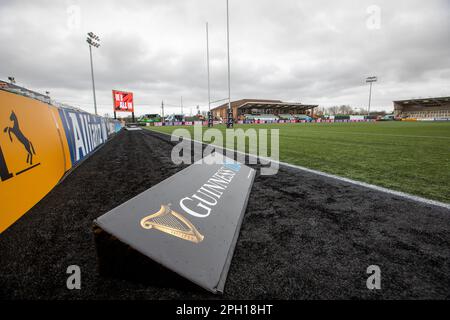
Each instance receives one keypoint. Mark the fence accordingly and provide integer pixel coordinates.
(205, 123)
(39, 144)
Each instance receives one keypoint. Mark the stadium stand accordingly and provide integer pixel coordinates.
(423, 109)
(260, 107)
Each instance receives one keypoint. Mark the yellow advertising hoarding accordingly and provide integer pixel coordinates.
(33, 154)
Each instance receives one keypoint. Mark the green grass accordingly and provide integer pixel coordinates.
(412, 157)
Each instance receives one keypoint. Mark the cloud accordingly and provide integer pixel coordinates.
(309, 51)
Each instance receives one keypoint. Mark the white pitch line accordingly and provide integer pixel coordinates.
(328, 175)
(379, 134)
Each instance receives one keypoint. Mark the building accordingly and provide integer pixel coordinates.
(258, 106)
(427, 108)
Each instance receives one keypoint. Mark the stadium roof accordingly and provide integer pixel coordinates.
(10, 87)
(277, 105)
(424, 101)
(266, 104)
(7, 86)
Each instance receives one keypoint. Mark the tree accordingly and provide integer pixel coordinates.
(345, 109)
(333, 110)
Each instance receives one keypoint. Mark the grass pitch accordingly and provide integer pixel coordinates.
(412, 157)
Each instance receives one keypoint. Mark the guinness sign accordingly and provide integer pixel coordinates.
(188, 223)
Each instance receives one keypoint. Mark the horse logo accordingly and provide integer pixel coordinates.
(15, 129)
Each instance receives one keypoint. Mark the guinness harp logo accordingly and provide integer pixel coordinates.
(171, 222)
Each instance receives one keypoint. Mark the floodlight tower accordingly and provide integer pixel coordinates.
(230, 112)
(181, 104)
(370, 80)
(93, 41)
(210, 120)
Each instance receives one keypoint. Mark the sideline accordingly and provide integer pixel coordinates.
(381, 134)
(332, 176)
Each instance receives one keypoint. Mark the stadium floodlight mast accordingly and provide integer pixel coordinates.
(210, 123)
(93, 41)
(229, 121)
(181, 104)
(370, 80)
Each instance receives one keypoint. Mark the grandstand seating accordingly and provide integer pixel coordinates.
(265, 117)
(286, 116)
(302, 117)
(423, 108)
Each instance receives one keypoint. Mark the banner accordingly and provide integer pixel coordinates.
(84, 132)
(39, 143)
(33, 156)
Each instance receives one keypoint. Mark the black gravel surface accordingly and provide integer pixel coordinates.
(303, 236)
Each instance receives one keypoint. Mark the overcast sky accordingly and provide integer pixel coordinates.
(317, 52)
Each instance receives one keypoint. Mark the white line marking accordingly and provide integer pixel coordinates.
(249, 173)
(378, 134)
(328, 175)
